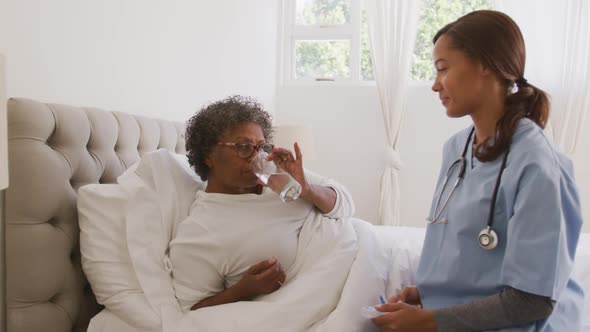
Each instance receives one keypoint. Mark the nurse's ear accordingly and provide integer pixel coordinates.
(484, 70)
(489, 76)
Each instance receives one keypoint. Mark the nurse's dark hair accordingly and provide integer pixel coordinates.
(493, 39)
(205, 129)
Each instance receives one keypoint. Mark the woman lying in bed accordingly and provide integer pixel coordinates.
(240, 238)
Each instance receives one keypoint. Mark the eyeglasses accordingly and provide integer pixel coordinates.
(246, 150)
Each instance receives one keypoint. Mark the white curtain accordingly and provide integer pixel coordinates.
(392, 33)
(559, 62)
(571, 105)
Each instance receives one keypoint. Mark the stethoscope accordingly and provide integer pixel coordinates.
(488, 239)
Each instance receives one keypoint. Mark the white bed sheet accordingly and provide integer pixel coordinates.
(405, 244)
(106, 320)
(363, 283)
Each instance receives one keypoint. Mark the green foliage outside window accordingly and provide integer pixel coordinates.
(322, 12)
(331, 58)
(322, 59)
(366, 60)
(435, 14)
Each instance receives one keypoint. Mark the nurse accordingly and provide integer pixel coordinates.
(500, 244)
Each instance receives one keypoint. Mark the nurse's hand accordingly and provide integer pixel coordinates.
(408, 295)
(404, 317)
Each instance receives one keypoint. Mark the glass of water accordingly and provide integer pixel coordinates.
(273, 176)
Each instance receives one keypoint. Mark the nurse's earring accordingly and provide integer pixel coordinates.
(488, 239)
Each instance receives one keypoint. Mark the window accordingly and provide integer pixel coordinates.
(328, 40)
(434, 14)
(324, 41)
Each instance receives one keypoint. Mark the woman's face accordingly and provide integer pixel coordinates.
(228, 171)
(460, 81)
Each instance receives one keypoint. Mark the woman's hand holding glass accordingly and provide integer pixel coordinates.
(281, 172)
(292, 165)
(322, 197)
(262, 278)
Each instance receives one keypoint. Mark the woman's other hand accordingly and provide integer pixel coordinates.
(409, 295)
(262, 278)
(404, 317)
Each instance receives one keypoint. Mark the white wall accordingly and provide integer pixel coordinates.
(425, 129)
(350, 140)
(155, 57)
(348, 133)
(165, 59)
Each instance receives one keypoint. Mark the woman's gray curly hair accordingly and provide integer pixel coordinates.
(205, 128)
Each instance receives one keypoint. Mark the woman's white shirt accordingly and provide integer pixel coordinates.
(226, 234)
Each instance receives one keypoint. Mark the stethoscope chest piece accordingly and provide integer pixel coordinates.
(488, 239)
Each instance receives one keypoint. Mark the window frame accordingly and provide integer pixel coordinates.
(290, 33)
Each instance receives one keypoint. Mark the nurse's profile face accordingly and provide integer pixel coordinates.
(460, 81)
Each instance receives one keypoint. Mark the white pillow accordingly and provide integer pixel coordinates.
(105, 258)
(106, 321)
(161, 191)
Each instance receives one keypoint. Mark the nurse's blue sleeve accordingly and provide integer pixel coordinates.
(538, 256)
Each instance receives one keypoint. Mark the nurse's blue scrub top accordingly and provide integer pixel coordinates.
(537, 218)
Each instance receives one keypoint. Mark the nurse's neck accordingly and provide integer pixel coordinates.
(485, 119)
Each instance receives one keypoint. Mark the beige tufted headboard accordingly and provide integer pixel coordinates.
(53, 150)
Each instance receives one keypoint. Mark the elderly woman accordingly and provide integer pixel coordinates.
(240, 238)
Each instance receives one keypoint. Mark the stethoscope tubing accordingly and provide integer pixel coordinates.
(436, 220)
(462, 162)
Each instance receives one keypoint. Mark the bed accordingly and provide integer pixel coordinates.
(53, 151)
(56, 149)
